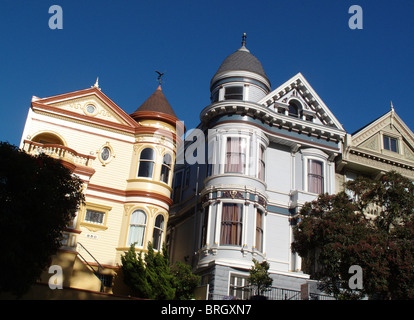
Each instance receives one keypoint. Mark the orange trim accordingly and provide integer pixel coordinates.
(180, 127)
(131, 193)
(136, 129)
(118, 110)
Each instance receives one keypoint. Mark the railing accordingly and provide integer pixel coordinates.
(59, 152)
(97, 273)
(273, 293)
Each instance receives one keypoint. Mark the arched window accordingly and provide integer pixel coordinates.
(166, 168)
(137, 224)
(158, 232)
(48, 138)
(146, 163)
(294, 107)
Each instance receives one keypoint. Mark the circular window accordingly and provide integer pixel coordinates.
(90, 108)
(105, 153)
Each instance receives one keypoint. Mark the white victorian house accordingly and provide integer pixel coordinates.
(266, 153)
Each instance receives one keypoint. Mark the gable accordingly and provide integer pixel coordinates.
(299, 89)
(390, 126)
(90, 105)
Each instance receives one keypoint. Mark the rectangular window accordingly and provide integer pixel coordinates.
(233, 93)
(235, 155)
(204, 228)
(231, 224)
(390, 144)
(94, 216)
(259, 230)
(239, 287)
(261, 169)
(315, 176)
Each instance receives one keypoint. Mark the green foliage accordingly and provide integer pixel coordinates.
(185, 281)
(39, 197)
(259, 276)
(333, 233)
(152, 278)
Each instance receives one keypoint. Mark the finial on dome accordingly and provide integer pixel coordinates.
(244, 39)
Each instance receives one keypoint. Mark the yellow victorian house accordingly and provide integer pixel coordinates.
(385, 144)
(126, 162)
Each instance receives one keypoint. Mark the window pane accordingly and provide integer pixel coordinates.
(315, 176)
(145, 169)
(94, 216)
(386, 143)
(137, 226)
(393, 145)
(259, 231)
(235, 155)
(157, 233)
(147, 154)
(231, 224)
(233, 93)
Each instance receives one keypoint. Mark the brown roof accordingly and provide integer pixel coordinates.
(157, 103)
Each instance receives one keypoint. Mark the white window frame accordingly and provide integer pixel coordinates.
(223, 156)
(305, 172)
(263, 230)
(140, 225)
(392, 136)
(219, 220)
(154, 162)
(259, 146)
(236, 275)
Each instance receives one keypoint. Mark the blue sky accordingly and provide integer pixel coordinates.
(355, 72)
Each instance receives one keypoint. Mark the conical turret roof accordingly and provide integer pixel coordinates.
(157, 102)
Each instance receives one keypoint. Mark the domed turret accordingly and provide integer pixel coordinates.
(240, 77)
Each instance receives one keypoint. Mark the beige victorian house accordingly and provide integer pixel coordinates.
(386, 144)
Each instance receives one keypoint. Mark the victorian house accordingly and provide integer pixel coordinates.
(267, 152)
(385, 144)
(126, 164)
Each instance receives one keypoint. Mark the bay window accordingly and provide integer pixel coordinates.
(231, 224)
(235, 155)
(146, 163)
(315, 176)
(137, 225)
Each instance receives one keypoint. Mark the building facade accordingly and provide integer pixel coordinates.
(126, 164)
(386, 144)
(267, 152)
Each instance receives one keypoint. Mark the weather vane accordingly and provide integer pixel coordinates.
(160, 75)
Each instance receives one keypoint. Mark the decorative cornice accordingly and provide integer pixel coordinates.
(271, 118)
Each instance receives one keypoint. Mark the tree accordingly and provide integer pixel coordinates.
(152, 278)
(259, 276)
(39, 197)
(184, 281)
(334, 233)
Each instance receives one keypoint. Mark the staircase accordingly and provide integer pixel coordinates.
(85, 255)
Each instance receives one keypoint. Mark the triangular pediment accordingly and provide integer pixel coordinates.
(89, 105)
(372, 138)
(299, 89)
